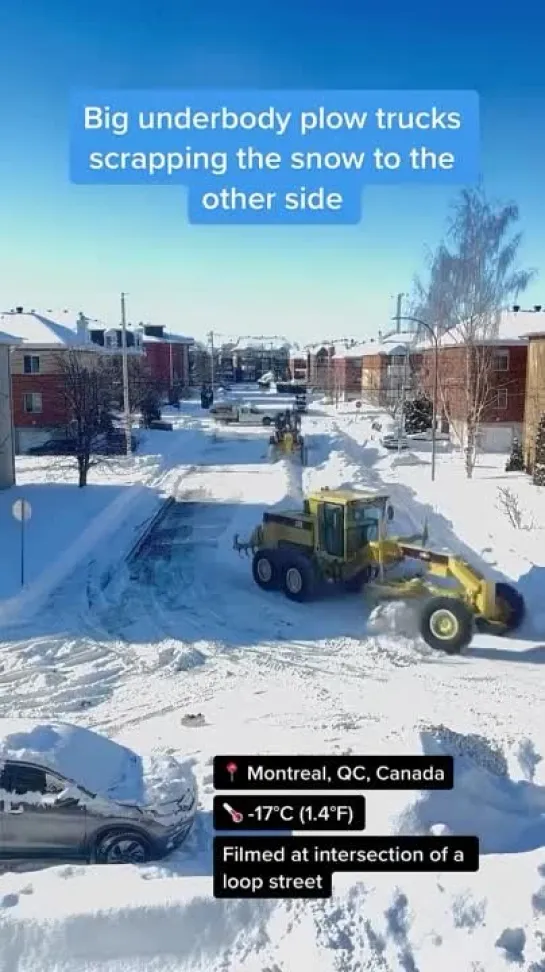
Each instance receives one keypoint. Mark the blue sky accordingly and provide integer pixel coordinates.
(80, 246)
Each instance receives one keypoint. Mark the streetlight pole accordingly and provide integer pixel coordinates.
(126, 396)
(435, 340)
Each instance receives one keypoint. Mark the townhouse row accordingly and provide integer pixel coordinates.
(33, 406)
(511, 396)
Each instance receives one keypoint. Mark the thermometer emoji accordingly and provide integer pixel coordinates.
(236, 817)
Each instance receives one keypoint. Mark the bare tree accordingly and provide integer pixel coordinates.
(87, 395)
(142, 387)
(473, 275)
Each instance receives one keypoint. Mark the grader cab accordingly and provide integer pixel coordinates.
(340, 538)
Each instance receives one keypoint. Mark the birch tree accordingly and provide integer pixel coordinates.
(473, 276)
(87, 397)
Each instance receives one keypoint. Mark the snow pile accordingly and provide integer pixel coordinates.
(507, 815)
(165, 780)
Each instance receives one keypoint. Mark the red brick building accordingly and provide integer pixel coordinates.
(40, 409)
(298, 365)
(167, 356)
(348, 363)
(320, 367)
(388, 370)
(7, 437)
(496, 370)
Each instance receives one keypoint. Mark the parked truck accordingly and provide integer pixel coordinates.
(229, 413)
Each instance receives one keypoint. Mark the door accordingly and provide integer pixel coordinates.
(332, 529)
(34, 821)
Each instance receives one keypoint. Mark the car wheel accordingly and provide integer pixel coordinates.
(122, 847)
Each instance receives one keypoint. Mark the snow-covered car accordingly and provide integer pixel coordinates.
(68, 793)
(427, 436)
(392, 440)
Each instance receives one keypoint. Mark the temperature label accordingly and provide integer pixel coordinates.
(316, 812)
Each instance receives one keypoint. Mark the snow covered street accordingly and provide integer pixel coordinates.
(138, 647)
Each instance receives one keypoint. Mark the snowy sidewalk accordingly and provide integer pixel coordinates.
(68, 523)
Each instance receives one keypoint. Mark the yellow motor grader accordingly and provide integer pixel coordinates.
(287, 439)
(340, 537)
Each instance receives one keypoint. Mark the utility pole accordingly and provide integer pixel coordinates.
(398, 312)
(401, 426)
(126, 396)
(212, 364)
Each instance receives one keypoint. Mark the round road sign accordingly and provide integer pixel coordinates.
(21, 510)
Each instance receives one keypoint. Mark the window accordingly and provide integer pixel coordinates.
(32, 402)
(332, 529)
(22, 779)
(501, 398)
(501, 361)
(31, 364)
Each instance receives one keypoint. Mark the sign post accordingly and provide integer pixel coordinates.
(22, 511)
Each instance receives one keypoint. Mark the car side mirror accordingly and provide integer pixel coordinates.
(390, 512)
(69, 797)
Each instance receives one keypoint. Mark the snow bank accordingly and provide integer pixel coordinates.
(456, 923)
(69, 524)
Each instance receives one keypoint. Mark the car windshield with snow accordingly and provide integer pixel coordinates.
(69, 793)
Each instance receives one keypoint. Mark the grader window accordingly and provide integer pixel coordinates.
(362, 528)
(332, 529)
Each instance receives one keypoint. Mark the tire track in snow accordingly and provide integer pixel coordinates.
(65, 674)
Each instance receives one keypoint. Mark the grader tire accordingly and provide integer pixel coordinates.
(512, 603)
(265, 570)
(446, 624)
(299, 579)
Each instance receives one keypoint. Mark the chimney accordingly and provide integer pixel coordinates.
(537, 307)
(18, 310)
(516, 308)
(82, 327)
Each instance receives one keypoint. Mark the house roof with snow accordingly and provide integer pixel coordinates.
(262, 344)
(9, 339)
(512, 328)
(519, 325)
(389, 346)
(41, 331)
(167, 337)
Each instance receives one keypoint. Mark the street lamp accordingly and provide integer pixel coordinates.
(126, 390)
(435, 339)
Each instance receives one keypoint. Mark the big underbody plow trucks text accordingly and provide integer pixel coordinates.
(341, 537)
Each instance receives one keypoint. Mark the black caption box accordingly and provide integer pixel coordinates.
(335, 772)
(294, 867)
(281, 812)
